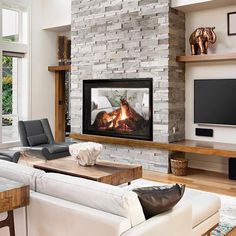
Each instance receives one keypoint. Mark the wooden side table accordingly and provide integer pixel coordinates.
(12, 195)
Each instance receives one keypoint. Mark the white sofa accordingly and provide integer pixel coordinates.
(62, 205)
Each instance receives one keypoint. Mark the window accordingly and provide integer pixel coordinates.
(14, 70)
(10, 78)
(10, 25)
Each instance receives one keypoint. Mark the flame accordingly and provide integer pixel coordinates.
(116, 119)
(123, 114)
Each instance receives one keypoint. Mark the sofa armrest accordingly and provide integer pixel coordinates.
(177, 222)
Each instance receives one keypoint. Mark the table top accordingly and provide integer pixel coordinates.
(7, 184)
(104, 171)
(13, 194)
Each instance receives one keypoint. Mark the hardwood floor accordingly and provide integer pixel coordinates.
(198, 179)
(232, 233)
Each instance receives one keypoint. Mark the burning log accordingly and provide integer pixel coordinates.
(103, 120)
(124, 118)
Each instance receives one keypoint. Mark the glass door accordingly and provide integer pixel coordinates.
(10, 72)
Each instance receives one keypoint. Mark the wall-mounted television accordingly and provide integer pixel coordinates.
(215, 101)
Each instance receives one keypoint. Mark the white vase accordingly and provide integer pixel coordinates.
(86, 153)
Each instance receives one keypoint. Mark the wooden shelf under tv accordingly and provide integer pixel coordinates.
(206, 58)
(188, 146)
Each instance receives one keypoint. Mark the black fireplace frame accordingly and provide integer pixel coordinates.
(118, 83)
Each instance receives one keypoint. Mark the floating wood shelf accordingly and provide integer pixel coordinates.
(190, 146)
(59, 68)
(207, 58)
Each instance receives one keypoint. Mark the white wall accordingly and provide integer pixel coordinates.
(43, 54)
(197, 5)
(56, 13)
(212, 70)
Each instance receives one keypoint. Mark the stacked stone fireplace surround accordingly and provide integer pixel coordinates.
(119, 39)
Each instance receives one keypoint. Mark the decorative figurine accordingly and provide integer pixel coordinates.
(200, 39)
(86, 153)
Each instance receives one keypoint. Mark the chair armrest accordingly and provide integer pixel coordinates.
(177, 222)
(13, 155)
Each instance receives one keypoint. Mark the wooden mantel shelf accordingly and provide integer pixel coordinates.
(59, 68)
(207, 58)
(190, 146)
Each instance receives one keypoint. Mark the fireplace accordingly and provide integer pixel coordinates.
(118, 108)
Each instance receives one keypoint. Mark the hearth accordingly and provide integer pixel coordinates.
(118, 108)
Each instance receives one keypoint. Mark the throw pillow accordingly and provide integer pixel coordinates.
(157, 199)
(37, 139)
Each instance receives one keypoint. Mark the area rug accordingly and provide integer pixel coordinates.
(227, 211)
(227, 216)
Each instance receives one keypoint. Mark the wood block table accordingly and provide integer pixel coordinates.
(12, 195)
(104, 171)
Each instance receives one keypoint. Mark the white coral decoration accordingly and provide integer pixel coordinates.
(86, 153)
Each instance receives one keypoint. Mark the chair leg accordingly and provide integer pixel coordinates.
(9, 222)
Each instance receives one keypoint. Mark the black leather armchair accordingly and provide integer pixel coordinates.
(38, 135)
(8, 155)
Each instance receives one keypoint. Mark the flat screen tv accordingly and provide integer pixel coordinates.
(215, 101)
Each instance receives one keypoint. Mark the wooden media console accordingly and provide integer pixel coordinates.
(188, 146)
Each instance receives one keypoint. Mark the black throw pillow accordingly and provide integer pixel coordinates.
(157, 199)
(38, 139)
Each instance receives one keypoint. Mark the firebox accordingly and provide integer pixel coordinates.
(118, 108)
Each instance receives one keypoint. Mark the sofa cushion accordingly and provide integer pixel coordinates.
(37, 139)
(204, 205)
(50, 216)
(92, 194)
(20, 173)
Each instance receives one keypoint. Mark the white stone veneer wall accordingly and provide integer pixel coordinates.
(131, 39)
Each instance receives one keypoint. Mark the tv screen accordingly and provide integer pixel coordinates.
(215, 101)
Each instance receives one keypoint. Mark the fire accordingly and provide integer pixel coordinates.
(123, 113)
(124, 118)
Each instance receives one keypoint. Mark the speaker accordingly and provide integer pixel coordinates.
(232, 168)
(204, 132)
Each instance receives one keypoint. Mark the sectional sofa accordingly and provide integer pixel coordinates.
(62, 205)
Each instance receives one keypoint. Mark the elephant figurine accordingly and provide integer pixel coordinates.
(200, 39)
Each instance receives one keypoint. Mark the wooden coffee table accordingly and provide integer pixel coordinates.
(104, 171)
(12, 195)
